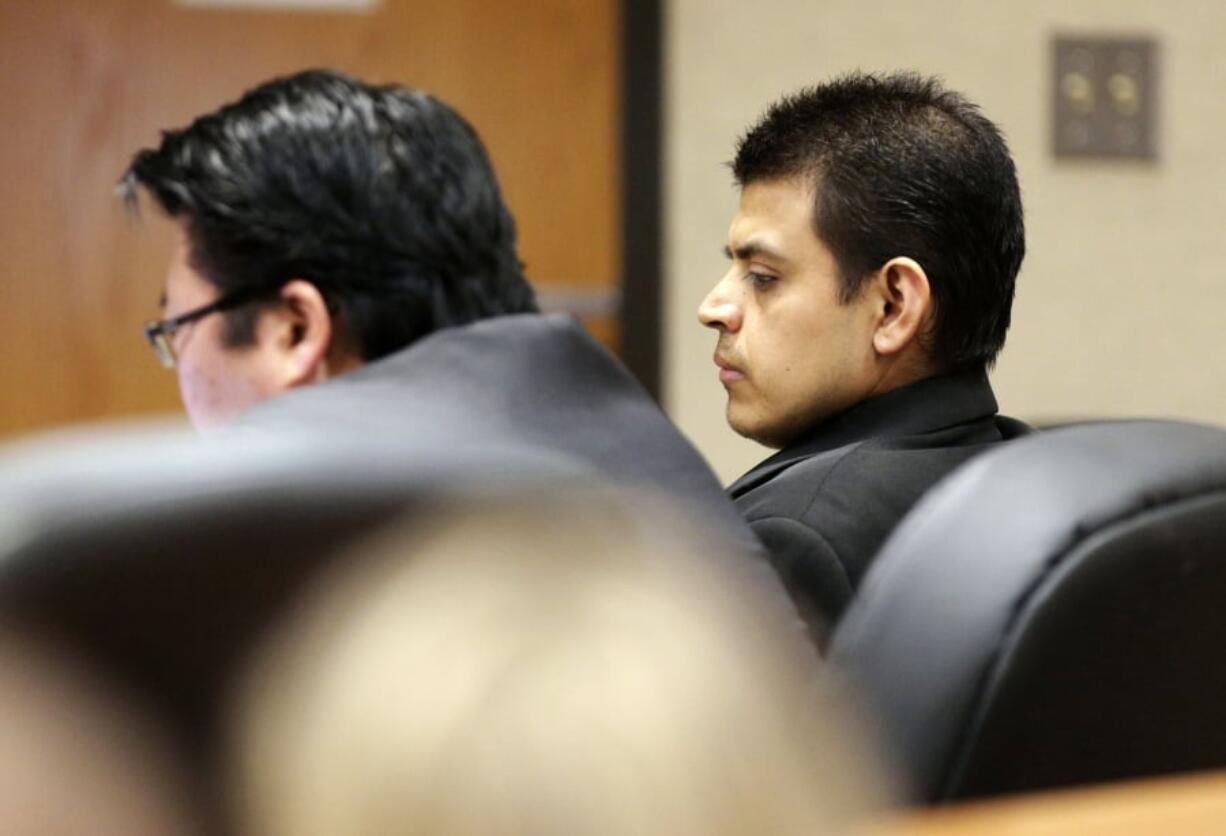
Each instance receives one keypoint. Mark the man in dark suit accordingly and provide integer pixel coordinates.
(872, 268)
(345, 261)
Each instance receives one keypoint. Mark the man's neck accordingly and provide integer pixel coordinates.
(897, 371)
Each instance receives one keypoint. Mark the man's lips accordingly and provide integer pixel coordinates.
(728, 373)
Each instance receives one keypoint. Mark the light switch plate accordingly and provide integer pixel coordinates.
(1105, 97)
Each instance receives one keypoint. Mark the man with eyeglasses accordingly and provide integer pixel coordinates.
(322, 223)
(353, 236)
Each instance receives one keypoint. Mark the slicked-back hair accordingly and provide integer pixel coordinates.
(903, 167)
(381, 196)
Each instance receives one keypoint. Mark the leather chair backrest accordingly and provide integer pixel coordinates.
(1053, 613)
(160, 558)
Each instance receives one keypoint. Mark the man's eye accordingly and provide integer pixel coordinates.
(759, 280)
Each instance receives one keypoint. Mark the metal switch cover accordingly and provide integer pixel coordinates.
(1105, 98)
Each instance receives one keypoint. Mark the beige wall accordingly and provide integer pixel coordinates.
(1121, 303)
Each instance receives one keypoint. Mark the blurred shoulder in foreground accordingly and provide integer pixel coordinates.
(79, 755)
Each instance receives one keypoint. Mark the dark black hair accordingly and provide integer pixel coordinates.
(381, 196)
(904, 167)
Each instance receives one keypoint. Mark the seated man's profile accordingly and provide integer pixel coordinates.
(872, 265)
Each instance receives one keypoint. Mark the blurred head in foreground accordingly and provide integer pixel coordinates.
(539, 669)
(78, 758)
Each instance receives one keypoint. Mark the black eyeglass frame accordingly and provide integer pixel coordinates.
(159, 332)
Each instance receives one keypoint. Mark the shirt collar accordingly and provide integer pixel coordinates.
(928, 405)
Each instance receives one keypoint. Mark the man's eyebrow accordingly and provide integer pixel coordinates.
(751, 250)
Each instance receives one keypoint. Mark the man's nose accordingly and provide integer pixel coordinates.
(720, 309)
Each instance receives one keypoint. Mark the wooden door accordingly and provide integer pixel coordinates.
(85, 83)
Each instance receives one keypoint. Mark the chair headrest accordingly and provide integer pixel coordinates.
(158, 556)
(942, 613)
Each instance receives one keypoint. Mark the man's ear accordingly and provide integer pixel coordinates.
(302, 333)
(906, 305)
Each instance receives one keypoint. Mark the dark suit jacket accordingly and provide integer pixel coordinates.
(824, 505)
(528, 383)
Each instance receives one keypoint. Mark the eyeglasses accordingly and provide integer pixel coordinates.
(159, 332)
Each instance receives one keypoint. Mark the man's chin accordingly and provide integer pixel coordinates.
(755, 431)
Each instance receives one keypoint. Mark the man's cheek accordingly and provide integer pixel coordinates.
(212, 398)
(198, 392)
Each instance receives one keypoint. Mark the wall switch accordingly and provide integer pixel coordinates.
(1104, 92)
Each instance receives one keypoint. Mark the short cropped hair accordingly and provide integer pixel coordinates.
(383, 197)
(904, 167)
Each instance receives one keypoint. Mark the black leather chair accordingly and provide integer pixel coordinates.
(1053, 613)
(159, 558)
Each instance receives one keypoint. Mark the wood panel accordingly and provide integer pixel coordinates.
(85, 83)
(1186, 805)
